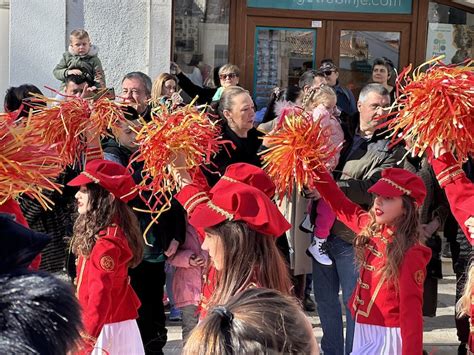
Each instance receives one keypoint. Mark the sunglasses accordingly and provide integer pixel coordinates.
(328, 72)
(225, 76)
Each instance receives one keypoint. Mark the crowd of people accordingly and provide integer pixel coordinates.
(238, 265)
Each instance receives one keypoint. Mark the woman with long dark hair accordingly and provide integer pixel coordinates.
(107, 241)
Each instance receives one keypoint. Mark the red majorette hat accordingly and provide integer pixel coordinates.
(247, 174)
(398, 182)
(238, 202)
(112, 176)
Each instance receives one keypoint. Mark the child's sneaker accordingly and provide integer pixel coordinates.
(306, 226)
(175, 314)
(318, 250)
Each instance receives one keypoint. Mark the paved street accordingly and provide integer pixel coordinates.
(439, 335)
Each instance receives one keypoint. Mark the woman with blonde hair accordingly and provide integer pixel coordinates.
(241, 139)
(164, 90)
(459, 190)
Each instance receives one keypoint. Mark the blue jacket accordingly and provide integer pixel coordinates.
(345, 99)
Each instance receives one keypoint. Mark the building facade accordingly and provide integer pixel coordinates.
(131, 35)
(272, 42)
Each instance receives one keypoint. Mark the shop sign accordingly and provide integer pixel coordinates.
(366, 6)
(450, 41)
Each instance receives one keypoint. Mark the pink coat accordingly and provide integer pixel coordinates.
(336, 138)
(187, 279)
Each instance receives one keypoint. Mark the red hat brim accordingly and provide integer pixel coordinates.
(204, 217)
(383, 188)
(79, 180)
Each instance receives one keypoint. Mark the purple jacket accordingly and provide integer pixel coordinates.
(187, 280)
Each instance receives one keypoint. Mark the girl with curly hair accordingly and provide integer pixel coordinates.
(107, 241)
(387, 301)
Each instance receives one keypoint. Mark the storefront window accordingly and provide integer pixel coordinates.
(281, 56)
(358, 49)
(450, 33)
(201, 35)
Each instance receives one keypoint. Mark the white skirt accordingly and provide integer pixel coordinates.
(374, 339)
(119, 338)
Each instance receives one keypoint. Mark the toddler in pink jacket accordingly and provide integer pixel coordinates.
(322, 103)
(190, 262)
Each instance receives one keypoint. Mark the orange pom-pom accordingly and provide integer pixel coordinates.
(27, 166)
(185, 131)
(297, 150)
(435, 106)
(62, 126)
(66, 124)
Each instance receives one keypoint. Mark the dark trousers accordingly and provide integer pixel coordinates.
(462, 324)
(148, 280)
(430, 296)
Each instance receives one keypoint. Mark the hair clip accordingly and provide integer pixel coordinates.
(224, 313)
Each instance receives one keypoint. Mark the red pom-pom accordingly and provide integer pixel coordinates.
(185, 132)
(436, 106)
(27, 166)
(297, 150)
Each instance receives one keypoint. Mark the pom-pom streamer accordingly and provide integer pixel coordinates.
(185, 132)
(26, 165)
(436, 106)
(65, 124)
(296, 152)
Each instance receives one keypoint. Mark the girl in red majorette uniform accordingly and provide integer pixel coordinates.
(387, 301)
(107, 241)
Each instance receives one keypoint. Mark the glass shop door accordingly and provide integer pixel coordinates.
(355, 45)
(282, 55)
(278, 52)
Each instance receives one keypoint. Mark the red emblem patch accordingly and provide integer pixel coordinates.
(107, 263)
(419, 277)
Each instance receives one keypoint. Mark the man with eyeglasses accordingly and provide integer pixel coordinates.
(364, 155)
(163, 236)
(345, 98)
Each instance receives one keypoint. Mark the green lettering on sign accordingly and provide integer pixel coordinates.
(366, 6)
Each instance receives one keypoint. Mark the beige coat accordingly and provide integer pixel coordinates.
(294, 209)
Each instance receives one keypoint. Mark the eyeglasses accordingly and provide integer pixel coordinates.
(328, 72)
(225, 76)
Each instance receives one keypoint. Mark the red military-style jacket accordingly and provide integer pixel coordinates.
(103, 285)
(459, 189)
(460, 192)
(376, 301)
